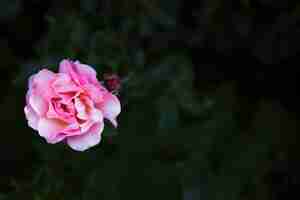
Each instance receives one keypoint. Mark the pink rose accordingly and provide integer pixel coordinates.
(70, 105)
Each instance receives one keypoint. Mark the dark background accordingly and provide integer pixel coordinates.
(209, 99)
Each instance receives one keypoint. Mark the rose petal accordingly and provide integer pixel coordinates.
(68, 67)
(87, 71)
(94, 117)
(72, 130)
(58, 138)
(28, 94)
(94, 92)
(38, 104)
(84, 127)
(40, 84)
(57, 113)
(30, 81)
(32, 117)
(81, 109)
(64, 84)
(51, 112)
(87, 140)
(43, 77)
(50, 128)
(81, 73)
(110, 108)
(30, 86)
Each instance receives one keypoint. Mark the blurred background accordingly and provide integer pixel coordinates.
(208, 92)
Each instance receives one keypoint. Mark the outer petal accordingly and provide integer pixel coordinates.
(39, 105)
(40, 84)
(87, 71)
(30, 81)
(65, 66)
(32, 117)
(68, 67)
(87, 140)
(30, 86)
(80, 73)
(50, 128)
(43, 77)
(71, 130)
(110, 108)
(58, 138)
